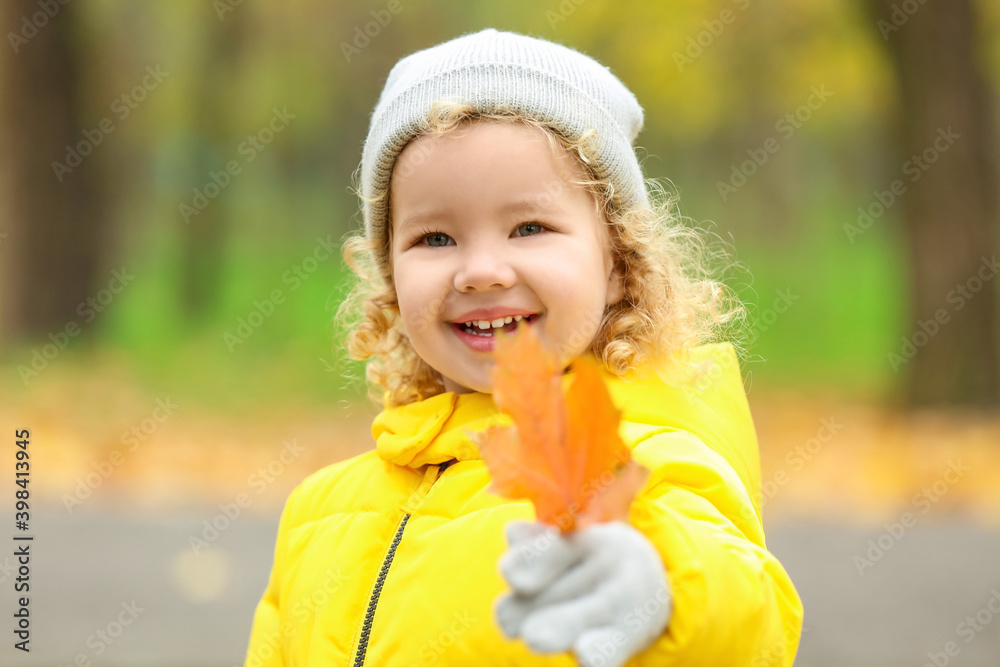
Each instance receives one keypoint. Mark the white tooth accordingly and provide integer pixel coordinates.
(497, 322)
(483, 324)
(508, 320)
(517, 318)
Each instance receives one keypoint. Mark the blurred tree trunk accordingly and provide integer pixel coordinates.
(53, 217)
(947, 142)
(204, 236)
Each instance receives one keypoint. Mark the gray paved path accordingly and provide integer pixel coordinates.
(195, 612)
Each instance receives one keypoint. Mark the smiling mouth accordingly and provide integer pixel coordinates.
(488, 332)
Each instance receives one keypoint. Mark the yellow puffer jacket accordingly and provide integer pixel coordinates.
(391, 557)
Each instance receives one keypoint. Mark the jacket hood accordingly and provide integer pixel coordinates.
(712, 407)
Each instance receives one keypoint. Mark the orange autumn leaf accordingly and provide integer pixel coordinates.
(563, 452)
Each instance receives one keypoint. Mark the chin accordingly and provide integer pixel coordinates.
(472, 386)
(476, 387)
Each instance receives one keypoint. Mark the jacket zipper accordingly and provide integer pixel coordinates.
(366, 629)
(370, 615)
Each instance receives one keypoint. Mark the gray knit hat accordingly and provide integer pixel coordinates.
(501, 71)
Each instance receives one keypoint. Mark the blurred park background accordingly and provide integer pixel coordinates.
(174, 183)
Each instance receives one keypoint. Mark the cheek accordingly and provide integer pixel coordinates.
(404, 295)
(409, 303)
(569, 282)
(412, 314)
(403, 278)
(419, 301)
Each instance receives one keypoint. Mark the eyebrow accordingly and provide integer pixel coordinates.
(416, 219)
(531, 204)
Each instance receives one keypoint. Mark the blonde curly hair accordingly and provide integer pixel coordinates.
(672, 300)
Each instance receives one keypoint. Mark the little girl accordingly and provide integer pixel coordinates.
(501, 189)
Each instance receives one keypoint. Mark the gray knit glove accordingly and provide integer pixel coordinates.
(601, 591)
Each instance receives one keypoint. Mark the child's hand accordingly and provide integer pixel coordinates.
(601, 591)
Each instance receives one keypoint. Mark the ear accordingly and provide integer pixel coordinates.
(616, 284)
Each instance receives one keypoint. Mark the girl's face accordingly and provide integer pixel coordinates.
(483, 220)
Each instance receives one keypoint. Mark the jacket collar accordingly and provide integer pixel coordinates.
(432, 431)
(436, 429)
(714, 409)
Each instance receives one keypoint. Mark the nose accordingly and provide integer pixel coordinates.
(483, 268)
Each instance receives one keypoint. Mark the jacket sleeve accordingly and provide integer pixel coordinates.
(268, 636)
(733, 602)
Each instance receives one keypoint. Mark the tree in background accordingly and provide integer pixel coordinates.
(947, 143)
(204, 236)
(54, 190)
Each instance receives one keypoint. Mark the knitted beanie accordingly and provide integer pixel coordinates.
(497, 71)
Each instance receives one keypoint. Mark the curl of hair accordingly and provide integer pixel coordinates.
(674, 298)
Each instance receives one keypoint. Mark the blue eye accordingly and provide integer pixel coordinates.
(427, 235)
(532, 224)
(437, 235)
